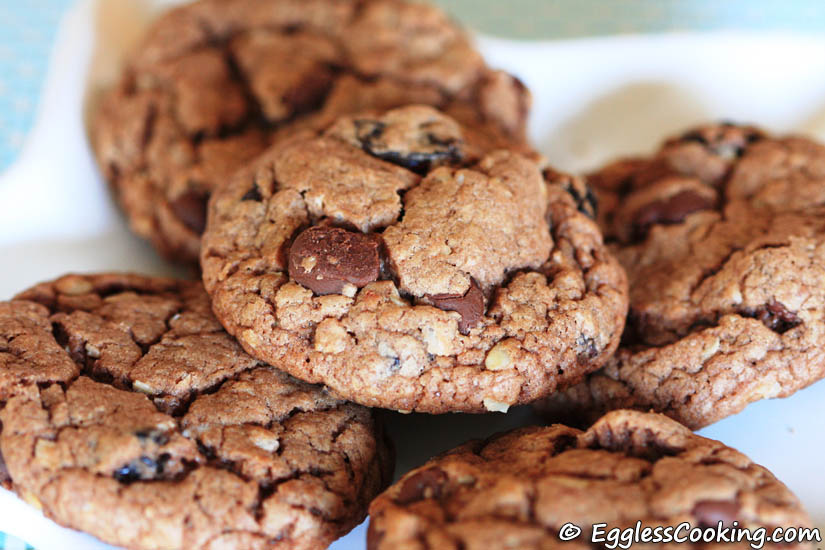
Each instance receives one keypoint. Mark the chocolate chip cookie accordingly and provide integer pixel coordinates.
(722, 234)
(129, 413)
(518, 489)
(404, 267)
(214, 82)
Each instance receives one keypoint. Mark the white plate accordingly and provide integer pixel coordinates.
(594, 99)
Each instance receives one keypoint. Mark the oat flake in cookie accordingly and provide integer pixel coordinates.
(518, 489)
(214, 82)
(129, 413)
(398, 263)
(722, 233)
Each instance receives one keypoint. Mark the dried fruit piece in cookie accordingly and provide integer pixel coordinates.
(127, 412)
(214, 82)
(724, 307)
(519, 488)
(473, 286)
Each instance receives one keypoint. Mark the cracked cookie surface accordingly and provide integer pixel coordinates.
(488, 286)
(517, 490)
(215, 82)
(722, 235)
(128, 412)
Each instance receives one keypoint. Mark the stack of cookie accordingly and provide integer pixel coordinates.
(372, 230)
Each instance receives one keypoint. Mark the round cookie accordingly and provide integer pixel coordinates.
(406, 268)
(129, 413)
(214, 82)
(722, 235)
(518, 489)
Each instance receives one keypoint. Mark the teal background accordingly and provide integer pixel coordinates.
(8, 542)
(540, 19)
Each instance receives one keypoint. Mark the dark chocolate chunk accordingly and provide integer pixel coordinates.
(419, 152)
(470, 306)
(425, 484)
(325, 259)
(583, 196)
(672, 210)
(776, 317)
(144, 467)
(190, 209)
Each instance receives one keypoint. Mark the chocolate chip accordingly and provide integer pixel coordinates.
(325, 259)
(253, 194)
(143, 468)
(672, 210)
(425, 484)
(776, 317)
(130, 472)
(470, 306)
(709, 513)
(421, 152)
(190, 209)
(582, 193)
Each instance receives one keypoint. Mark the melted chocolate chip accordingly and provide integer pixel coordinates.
(776, 317)
(709, 513)
(325, 259)
(190, 209)
(669, 211)
(425, 484)
(470, 306)
(582, 194)
(419, 154)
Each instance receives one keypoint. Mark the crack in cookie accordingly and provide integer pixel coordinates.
(123, 393)
(474, 286)
(523, 486)
(215, 82)
(722, 236)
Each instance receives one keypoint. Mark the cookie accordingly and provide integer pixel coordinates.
(129, 413)
(722, 235)
(518, 490)
(404, 267)
(216, 81)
